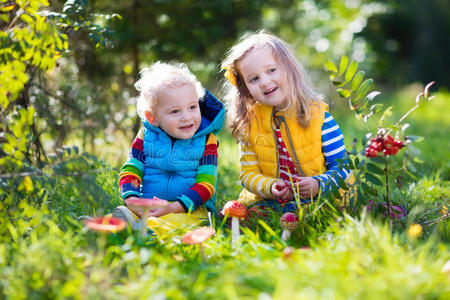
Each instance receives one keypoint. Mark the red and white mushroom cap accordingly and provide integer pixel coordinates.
(198, 235)
(289, 221)
(106, 224)
(235, 209)
(146, 202)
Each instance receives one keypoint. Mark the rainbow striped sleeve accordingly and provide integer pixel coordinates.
(131, 173)
(206, 179)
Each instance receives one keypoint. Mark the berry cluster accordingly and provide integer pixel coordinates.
(386, 144)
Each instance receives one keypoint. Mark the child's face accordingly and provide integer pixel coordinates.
(264, 76)
(177, 112)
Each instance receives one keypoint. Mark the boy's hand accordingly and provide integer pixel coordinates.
(308, 187)
(173, 207)
(281, 190)
(137, 211)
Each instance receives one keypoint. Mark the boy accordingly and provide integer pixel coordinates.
(174, 156)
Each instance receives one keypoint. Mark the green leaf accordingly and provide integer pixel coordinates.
(386, 113)
(357, 80)
(27, 19)
(351, 71)
(374, 169)
(377, 159)
(373, 179)
(368, 189)
(338, 82)
(335, 191)
(342, 183)
(376, 107)
(344, 93)
(412, 168)
(361, 164)
(8, 148)
(330, 66)
(364, 88)
(350, 163)
(30, 115)
(34, 5)
(4, 18)
(343, 64)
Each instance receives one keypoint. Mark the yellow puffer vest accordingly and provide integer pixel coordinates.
(303, 144)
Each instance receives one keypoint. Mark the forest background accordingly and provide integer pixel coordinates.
(67, 108)
(88, 98)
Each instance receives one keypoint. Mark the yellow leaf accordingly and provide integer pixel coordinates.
(7, 8)
(27, 184)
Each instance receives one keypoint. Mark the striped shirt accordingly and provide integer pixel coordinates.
(333, 148)
(287, 166)
(204, 188)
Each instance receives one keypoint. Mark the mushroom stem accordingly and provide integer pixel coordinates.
(210, 219)
(286, 234)
(234, 229)
(202, 252)
(144, 223)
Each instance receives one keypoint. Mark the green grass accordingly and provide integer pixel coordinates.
(358, 259)
(45, 253)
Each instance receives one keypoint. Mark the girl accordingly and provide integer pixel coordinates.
(282, 125)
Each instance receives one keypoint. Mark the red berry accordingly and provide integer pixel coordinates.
(370, 152)
(377, 146)
(398, 144)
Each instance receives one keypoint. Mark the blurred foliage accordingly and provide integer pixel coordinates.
(93, 81)
(102, 45)
(410, 42)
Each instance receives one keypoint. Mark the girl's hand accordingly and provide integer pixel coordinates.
(308, 187)
(173, 207)
(281, 190)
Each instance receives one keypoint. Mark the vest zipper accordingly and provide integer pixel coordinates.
(276, 141)
(292, 146)
(172, 141)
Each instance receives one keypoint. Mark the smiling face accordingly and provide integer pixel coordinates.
(265, 78)
(177, 111)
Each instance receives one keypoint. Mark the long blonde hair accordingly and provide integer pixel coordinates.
(239, 100)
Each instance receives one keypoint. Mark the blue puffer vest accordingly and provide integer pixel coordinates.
(170, 166)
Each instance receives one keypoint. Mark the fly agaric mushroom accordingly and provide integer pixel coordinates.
(237, 211)
(146, 204)
(198, 237)
(288, 221)
(105, 224)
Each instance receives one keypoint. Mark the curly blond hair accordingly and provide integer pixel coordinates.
(239, 100)
(159, 77)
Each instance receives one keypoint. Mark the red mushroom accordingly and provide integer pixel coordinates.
(237, 211)
(105, 224)
(288, 221)
(146, 204)
(198, 237)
